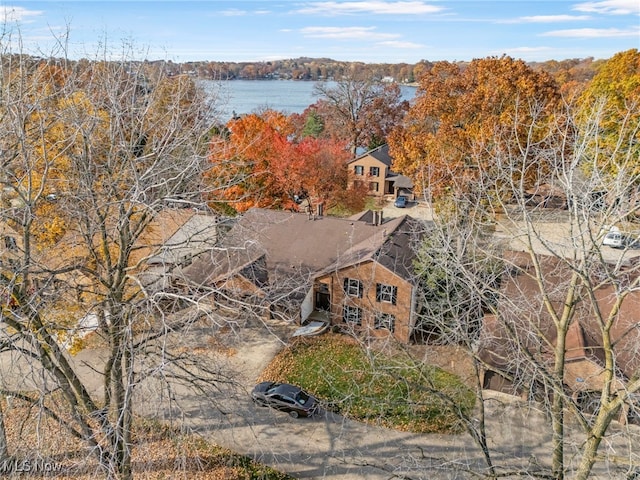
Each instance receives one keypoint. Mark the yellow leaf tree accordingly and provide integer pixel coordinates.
(610, 105)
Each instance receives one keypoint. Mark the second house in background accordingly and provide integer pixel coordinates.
(374, 168)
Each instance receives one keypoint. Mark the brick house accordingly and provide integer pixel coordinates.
(372, 287)
(522, 309)
(288, 265)
(268, 258)
(373, 168)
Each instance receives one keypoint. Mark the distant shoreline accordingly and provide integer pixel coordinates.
(403, 84)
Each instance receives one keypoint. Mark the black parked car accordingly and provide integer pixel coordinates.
(286, 398)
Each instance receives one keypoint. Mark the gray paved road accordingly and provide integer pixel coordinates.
(328, 446)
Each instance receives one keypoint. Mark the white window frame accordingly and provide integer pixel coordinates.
(352, 315)
(386, 293)
(384, 321)
(353, 287)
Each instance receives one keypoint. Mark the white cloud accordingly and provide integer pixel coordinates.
(400, 44)
(10, 13)
(546, 19)
(233, 12)
(592, 33)
(346, 33)
(528, 49)
(373, 7)
(611, 7)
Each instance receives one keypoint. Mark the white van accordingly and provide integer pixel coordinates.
(614, 240)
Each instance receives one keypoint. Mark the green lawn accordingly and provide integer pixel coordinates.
(366, 385)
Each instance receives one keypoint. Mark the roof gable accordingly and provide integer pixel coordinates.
(392, 247)
(380, 153)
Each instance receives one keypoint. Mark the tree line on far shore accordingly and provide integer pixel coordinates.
(315, 69)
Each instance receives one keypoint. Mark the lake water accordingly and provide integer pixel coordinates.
(247, 96)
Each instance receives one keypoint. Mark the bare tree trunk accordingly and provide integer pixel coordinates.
(590, 448)
(4, 447)
(480, 434)
(557, 413)
(106, 149)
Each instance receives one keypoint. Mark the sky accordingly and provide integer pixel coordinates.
(373, 31)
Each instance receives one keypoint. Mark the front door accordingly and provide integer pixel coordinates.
(323, 297)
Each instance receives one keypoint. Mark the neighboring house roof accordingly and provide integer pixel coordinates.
(220, 263)
(523, 308)
(193, 236)
(160, 229)
(400, 181)
(380, 153)
(71, 249)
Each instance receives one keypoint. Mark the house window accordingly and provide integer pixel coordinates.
(10, 243)
(353, 287)
(352, 315)
(12, 263)
(385, 321)
(358, 170)
(374, 171)
(373, 186)
(386, 293)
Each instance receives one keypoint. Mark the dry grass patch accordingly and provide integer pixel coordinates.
(42, 445)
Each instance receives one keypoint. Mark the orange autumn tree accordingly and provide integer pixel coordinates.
(40, 146)
(312, 169)
(258, 161)
(463, 119)
(73, 152)
(241, 157)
